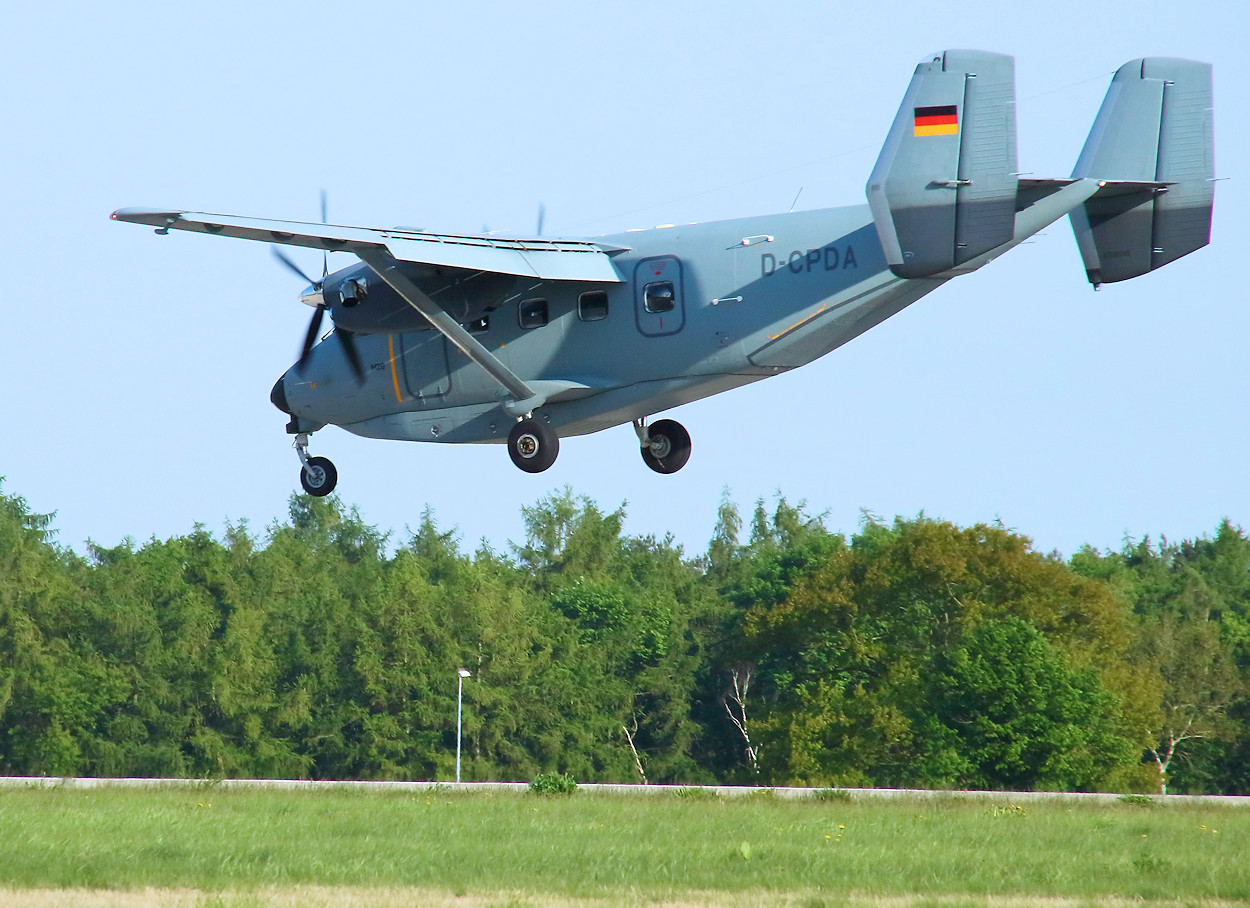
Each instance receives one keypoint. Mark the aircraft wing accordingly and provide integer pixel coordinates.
(545, 259)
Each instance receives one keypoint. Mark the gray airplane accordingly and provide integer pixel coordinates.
(524, 340)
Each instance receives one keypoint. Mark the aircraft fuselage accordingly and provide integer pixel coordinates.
(750, 298)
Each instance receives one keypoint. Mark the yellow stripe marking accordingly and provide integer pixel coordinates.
(390, 342)
(799, 324)
(940, 129)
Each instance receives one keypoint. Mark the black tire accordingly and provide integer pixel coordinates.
(533, 445)
(670, 446)
(324, 477)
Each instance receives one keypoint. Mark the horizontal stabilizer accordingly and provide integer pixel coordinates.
(1152, 149)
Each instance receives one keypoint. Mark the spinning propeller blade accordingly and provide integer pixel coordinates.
(292, 267)
(348, 343)
(325, 255)
(314, 328)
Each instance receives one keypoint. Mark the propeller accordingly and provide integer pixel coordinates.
(294, 268)
(542, 216)
(310, 338)
(314, 326)
(325, 255)
(346, 340)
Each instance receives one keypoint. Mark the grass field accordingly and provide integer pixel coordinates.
(217, 847)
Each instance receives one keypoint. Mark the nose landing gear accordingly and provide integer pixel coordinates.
(318, 475)
(665, 444)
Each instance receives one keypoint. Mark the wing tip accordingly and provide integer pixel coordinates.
(157, 217)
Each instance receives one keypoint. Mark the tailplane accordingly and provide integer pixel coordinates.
(1152, 146)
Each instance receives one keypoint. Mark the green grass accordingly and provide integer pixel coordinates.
(598, 846)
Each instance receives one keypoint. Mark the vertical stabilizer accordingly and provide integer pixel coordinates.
(943, 190)
(1155, 127)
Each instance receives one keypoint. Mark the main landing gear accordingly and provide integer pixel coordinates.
(317, 476)
(533, 445)
(665, 444)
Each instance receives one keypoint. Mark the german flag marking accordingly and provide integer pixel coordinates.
(936, 121)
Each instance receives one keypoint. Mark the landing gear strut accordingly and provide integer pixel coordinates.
(665, 444)
(533, 445)
(318, 476)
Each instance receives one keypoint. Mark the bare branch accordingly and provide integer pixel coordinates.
(637, 760)
(741, 680)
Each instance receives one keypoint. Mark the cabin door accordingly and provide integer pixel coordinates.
(659, 302)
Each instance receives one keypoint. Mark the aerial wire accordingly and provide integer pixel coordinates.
(821, 160)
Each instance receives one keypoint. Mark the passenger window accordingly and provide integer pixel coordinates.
(659, 296)
(533, 313)
(592, 306)
(480, 325)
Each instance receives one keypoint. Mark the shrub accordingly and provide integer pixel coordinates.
(831, 794)
(697, 793)
(553, 783)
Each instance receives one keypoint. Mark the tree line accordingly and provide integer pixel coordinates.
(911, 653)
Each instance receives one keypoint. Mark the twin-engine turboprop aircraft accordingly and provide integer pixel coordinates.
(523, 340)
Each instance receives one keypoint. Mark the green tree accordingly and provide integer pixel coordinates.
(1199, 680)
(1010, 712)
(786, 544)
(636, 606)
(1192, 601)
(51, 689)
(847, 660)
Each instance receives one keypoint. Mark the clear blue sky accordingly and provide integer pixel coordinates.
(136, 369)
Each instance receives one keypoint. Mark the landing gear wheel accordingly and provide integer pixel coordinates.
(533, 445)
(668, 447)
(319, 478)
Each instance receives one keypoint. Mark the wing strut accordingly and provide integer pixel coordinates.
(386, 267)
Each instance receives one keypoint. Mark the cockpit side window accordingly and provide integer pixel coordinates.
(532, 313)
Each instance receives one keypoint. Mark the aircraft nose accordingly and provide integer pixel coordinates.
(278, 395)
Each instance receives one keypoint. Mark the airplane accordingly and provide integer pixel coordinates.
(524, 340)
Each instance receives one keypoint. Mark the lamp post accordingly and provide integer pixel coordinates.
(464, 673)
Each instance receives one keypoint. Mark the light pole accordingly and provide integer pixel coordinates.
(464, 673)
